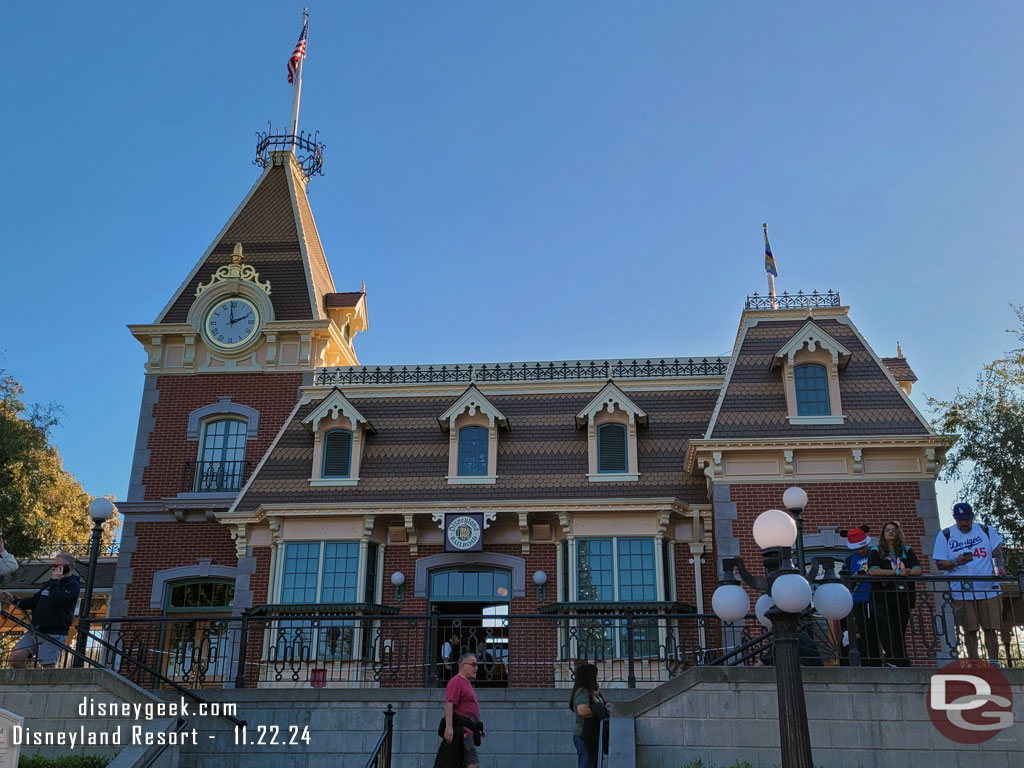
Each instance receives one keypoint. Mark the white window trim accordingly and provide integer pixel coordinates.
(472, 409)
(336, 412)
(659, 587)
(814, 346)
(612, 406)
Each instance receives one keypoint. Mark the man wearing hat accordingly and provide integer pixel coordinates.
(866, 635)
(973, 549)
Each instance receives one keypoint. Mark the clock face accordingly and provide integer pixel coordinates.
(232, 322)
(464, 532)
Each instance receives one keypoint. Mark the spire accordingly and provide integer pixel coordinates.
(275, 227)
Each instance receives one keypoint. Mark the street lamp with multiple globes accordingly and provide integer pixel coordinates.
(787, 594)
(100, 509)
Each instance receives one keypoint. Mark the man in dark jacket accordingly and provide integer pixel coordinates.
(53, 610)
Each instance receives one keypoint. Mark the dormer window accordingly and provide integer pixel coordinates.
(810, 383)
(337, 453)
(611, 448)
(611, 420)
(472, 424)
(473, 452)
(339, 433)
(810, 362)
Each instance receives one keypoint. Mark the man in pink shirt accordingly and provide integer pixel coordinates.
(460, 699)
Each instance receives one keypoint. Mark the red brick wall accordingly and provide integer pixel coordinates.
(841, 505)
(169, 545)
(273, 395)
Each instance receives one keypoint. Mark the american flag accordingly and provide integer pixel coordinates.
(298, 54)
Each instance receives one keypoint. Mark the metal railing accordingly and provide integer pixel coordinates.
(558, 370)
(367, 646)
(798, 300)
(381, 755)
(214, 476)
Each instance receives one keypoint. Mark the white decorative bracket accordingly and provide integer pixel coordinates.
(245, 273)
(787, 457)
(410, 532)
(241, 545)
(524, 532)
(858, 462)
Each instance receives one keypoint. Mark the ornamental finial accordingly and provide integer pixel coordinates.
(236, 255)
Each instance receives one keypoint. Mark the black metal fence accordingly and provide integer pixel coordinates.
(924, 621)
(214, 476)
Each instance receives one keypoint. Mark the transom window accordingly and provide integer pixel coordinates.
(811, 385)
(473, 451)
(615, 569)
(221, 465)
(200, 596)
(337, 453)
(611, 448)
(326, 572)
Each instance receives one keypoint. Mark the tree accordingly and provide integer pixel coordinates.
(43, 509)
(989, 455)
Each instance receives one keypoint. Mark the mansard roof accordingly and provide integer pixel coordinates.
(899, 368)
(279, 238)
(752, 403)
(544, 457)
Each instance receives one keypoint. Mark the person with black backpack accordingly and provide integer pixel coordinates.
(894, 599)
(973, 549)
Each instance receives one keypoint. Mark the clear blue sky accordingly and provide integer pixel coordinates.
(577, 179)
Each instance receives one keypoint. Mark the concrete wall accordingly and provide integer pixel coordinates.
(49, 702)
(859, 718)
(526, 728)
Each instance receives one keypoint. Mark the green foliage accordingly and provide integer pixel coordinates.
(43, 509)
(69, 761)
(989, 456)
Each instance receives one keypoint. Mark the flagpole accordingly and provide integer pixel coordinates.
(771, 277)
(298, 90)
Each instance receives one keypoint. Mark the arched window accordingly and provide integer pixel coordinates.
(197, 650)
(199, 596)
(221, 465)
(811, 384)
(472, 451)
(611, 448)
(337, 453)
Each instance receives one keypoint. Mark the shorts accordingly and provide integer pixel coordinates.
(986, 613)
(41, 646)
(469, 755)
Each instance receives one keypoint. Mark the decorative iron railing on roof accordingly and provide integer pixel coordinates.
(559, 370)
(308, 149)
(798, 300)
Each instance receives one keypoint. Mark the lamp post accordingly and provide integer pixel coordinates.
(100, 509)
(787, 594)
(795, 500)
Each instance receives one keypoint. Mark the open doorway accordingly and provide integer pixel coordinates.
(470, 606)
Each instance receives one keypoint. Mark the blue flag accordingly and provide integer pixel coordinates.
(769, 259)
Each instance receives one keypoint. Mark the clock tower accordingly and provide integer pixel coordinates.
(226, 357)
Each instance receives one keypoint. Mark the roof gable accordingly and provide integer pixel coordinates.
(812, 337)
(474, 401)
(332, 406)
(608, 398)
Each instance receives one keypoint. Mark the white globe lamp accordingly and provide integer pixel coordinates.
(833, 601)
(100, 509)
(791, 592)
(730, 602)
(761, 607)
(774, 528)
(794, 498)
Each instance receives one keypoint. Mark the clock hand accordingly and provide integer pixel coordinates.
(231, 312)
(239, 319)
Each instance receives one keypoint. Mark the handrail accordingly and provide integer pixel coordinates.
(381, 755)
(119, 653)
(182, 724)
